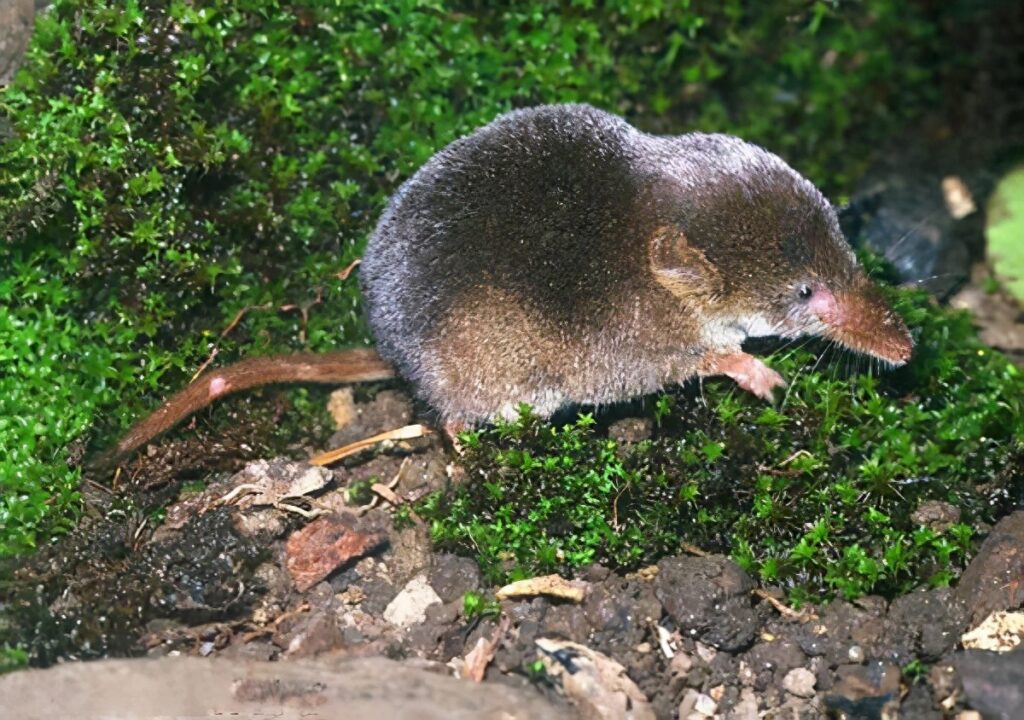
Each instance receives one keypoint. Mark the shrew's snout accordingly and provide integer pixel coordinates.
(862, 320)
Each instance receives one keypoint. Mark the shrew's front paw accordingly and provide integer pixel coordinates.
(749, 373)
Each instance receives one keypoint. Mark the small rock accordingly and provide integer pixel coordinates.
(266, 523)
(746, 708)
(696, 704)
(375, 584)
(993, 682)
(409, 553)
(845, 632)
(630, 430)
(620, 613)
(924, 624)
(16, 21)
(919, 704)
(594, 573)
(275, 580)
(327, 543)
(708, 597)
(772, 660)
(745, 675)
(410, 605)
(705, 652)
(566, 621)
(452, 576)
(870, 690)
(992, 580)
(945, 685)
(936, 514)
(705, 705)
(996, 315)
(680, 663)
(1000, 632)
(318, 633)
(799, 682)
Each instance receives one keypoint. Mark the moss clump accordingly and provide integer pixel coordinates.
(815, 495)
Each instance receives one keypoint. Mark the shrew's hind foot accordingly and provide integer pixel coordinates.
(452, 428)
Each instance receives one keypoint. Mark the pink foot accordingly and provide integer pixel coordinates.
(452, 428)
(749, 373)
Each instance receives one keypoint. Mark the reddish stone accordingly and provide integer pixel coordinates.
(321, 547)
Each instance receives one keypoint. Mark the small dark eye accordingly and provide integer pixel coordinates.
(804, 292)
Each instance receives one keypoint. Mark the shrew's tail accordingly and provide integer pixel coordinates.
(357, 365)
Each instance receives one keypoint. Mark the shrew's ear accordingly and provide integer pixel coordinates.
(679, 267)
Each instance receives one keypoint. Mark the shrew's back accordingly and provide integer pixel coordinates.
(518, 227)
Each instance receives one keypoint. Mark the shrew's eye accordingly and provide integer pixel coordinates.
(804, 292)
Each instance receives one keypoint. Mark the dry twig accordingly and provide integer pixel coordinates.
(408, 432)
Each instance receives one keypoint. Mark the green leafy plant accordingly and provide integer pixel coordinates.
(475, 605)
(12, 658)
(915, 670)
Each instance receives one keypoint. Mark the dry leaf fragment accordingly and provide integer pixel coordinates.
(598, 685)
(553, 585)
(347, 270)
(474, 665)
(408, 432)
(1000, 632)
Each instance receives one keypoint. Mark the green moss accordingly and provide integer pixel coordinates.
(475, 605)
(815, 495)
(168, 164)
(12, 658)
